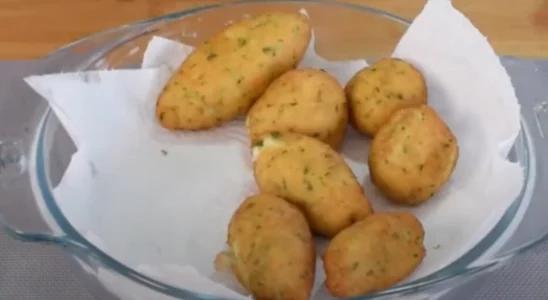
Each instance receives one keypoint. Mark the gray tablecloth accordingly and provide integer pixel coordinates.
(35, 272)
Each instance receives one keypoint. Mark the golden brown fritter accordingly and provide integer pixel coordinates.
(373, 254)
(306, 101)
(271, 250)
(412, 156)
(310, 174)
(379, 90)
(224, 76)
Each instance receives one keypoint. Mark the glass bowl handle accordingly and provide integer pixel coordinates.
(17, 211)
(21, 109)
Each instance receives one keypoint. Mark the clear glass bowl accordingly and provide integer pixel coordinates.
(35, 150)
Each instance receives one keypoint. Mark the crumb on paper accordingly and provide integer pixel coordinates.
(436, 247)
(92, 168)
(164, 152)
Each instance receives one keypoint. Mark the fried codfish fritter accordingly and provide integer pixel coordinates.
(271, 250)
(379, 90)
(373, 254)
(412, 156)
(310, 174)
(306, 101)
(224, 76)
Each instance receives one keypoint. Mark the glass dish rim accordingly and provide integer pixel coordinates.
(74, 238)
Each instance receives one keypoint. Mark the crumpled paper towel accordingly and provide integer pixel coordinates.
(159, 198)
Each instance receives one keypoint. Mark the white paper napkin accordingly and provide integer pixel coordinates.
(160, 199)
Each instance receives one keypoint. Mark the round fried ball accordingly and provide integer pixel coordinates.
(373, 254)
(412, 156)
(379, 90)
(306, 101)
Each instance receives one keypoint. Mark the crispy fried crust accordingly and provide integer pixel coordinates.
(306, 101)
(379, 90)
(224, 76)
(374, 254)
(412, 156)
(310, 174)
(271, 250)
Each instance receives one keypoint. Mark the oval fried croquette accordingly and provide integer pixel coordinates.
(379, 90)
(412, 156)
(373, 254)
(310, 174)
(224, 76)
(271, 250)
(306, 101)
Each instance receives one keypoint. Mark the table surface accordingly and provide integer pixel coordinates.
(31, 28)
